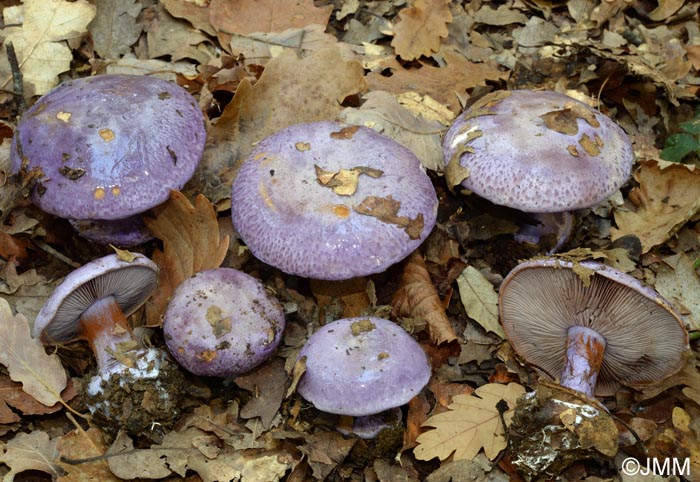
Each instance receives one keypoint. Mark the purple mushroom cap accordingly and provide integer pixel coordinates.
(541, 299)
(539, 151)
(285, 207)
(362, 366)
(109, 146)
(221, 322)
(130, 282)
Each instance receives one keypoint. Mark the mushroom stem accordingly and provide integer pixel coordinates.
(105, 328)
(584, 356)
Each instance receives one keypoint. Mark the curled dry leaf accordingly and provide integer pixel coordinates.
(421, 28)
(42, 376)
(417, 297)
(191, 243)
(479, 299)
(471, 423)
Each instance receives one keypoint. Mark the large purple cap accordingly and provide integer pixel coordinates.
(110, 146)
(539, 151)
(130, 282)
(541, 299)
(362, 366)
(328, 201)
(222, 323)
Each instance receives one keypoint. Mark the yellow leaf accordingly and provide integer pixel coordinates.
(191, 243)
(42, 376)
(421, 27)
(665, 199)
(40, 42)
(479, 299)
(471, 423)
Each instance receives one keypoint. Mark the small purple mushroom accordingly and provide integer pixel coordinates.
(362, 367)
(610, 330)
(134, 386)
(329, 201)
(110, 147)
(221, 322)
(539, 152)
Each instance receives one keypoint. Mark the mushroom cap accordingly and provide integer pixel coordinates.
(519, 157)
(362, 366)
(221, 322)
(541, 299)
(290, 220)
(109, 146)
(130, 282)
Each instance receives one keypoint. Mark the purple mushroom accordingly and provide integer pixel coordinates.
(221, 322)
(135, 386)
(110, 147)
(329, 201)
(362, 367)
(611, 329)
(539, 152)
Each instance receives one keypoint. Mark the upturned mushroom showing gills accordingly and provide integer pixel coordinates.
(109, 147)
(592, 325)
(331, 202)
(222, 323)
(539, 152)
(135, 388)
(362, 367)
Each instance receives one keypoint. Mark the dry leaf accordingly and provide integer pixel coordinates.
(386, 210)
(480, 300)
(421, 28)
(325, 450)
(114, 28)
(168, 36)
(81, 445)
(40, 42)
(417, 297)
(244, 17)
(42, 376)
(678, 281)
(193, 12)
(472, 422)
(667, 197)
(12, 395)
(191, 243)
(30, 451)
(268, 384)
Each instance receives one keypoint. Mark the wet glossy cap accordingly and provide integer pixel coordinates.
(222, 323)
(130, 282)
(328, 201)
(362, 366)
(539, 151)
(541, 299)
(110, 146)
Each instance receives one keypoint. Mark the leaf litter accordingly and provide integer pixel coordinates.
(405, 69)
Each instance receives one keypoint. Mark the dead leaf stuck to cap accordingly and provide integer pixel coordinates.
(386, 210)
(344, 181)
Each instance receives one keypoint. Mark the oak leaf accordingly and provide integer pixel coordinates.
(30, 451)
(40, 43)
(479, 299)
(42, 376)
(191, 243)
(115, 28)
(417, 297)
(667, 197)
(244, 17)
(472, 422)
(421, 28)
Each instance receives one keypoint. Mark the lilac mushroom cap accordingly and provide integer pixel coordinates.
(221, 322)
(129, 282)
(109, 146)
(291, 217)
(539, 151)
(542, 299)
(362, 366)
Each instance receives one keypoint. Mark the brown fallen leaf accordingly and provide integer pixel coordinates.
(417, 297)
(325, 450)
(30, 451)
(472, 422)
(268, 385)
(344, 182)
(12, 395)
(667, 197)
(42, 376)
(191, 243)
(115, 28)
(87, 446)
(386, 210)
(349, 297)
(421, 28)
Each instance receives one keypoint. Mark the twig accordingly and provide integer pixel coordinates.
(53, 252)
(17, 84)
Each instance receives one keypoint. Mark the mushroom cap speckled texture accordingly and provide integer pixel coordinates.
(354, 368)
(541, 299)
(290, 220)
(130, 282)
(110, 146)
(222, 323)
(517, 153)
